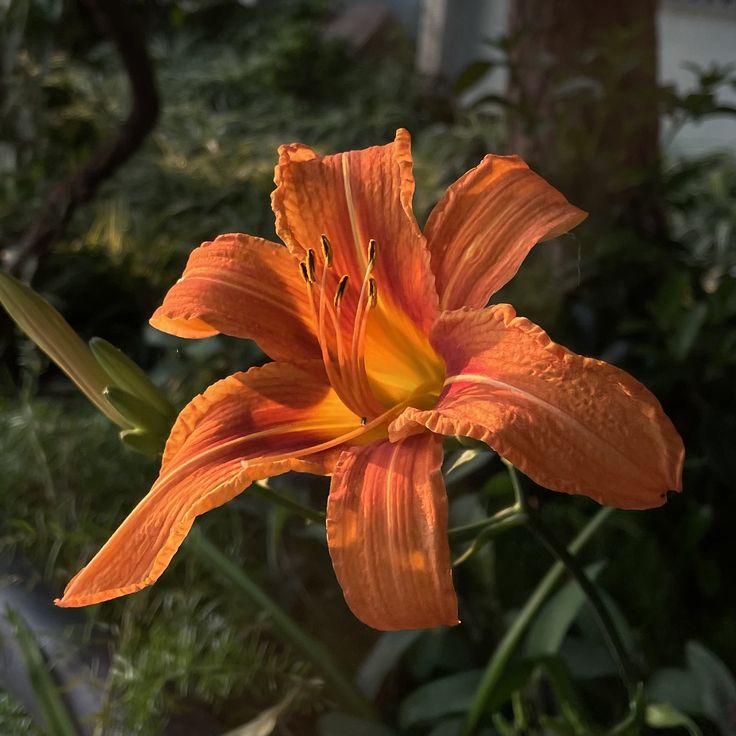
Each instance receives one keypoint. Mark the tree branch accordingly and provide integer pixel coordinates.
(117, 21)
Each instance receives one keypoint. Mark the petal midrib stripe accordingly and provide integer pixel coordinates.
(564, 415)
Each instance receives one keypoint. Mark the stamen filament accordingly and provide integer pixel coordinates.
(364, 428)
(357, 365)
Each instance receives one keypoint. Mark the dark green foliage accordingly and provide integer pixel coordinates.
(235, 83)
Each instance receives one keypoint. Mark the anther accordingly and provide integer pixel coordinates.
(341, 286)
(363, 421)
(372, 292)
(326, 250)
(309, 260)
(304, 272)
(371, 252)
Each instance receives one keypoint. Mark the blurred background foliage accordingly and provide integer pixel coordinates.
(648, 282)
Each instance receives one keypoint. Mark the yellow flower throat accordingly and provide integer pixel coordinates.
(375, 357)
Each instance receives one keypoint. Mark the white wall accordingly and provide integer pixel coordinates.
(698, 34)
(700, 31)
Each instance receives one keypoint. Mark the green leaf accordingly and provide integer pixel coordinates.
(679, 687)
(552, 623)
(57, 719)
(141, 440)
(689, 328)
(341, 724)
(137, 411)
(472, 74)
(386, 652)
(447, 696)
(285, 625)
(571, 706)
(717, 684)
(52, 333)
(129, 376)
(664, 715)
(507, 645)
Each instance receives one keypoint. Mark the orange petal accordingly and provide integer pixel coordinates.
(387, 534)
(570, 423)
(487, 222)
(353, 197)
(245, 287)
(236, 432)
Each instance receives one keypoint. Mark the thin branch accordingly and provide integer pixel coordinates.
(118, 22)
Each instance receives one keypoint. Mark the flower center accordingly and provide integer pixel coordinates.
(374, 355)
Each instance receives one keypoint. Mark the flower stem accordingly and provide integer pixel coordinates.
(558, 550)
(534, 603)
(470, 531)
(321, 659)
(262, 489)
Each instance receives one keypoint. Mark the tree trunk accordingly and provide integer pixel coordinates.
(583, 92)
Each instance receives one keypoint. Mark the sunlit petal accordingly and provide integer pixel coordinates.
(238, 431)
(387, 534)
(487, 222)
(245, 287)
(353, 197)
(570, 423)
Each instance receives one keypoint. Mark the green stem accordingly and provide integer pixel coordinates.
(608, 627)
(470, 531)
(534, 603)
(506, 518)
(488, 529)
(313, 650)
(264, 491)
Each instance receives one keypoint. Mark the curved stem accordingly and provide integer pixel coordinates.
(341, 685)
(534, 603)
(558, 550)
(608, 627)
(262, 489)
(470, 531)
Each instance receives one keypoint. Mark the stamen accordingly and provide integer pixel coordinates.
(326, 250)
(342, 284)
(371, 252)
(357, 348)
(372, 292)
(309, 260)
(304, 272)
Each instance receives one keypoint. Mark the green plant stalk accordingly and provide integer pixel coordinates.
(318, 655)
(504, 519)
(309, 514)
(490, 529)
(534, 603)
(608, 627)
(57, 719)
(469, 531)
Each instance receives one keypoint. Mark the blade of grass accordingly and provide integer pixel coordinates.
(506, 647)
(342, 686)
(57, 719)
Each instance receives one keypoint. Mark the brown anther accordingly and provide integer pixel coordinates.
(326, 250)
(341, 286)
(372, 292)
(304, 271)
(309, 260)
(371, 252)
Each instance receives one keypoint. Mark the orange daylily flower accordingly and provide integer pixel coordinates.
(382, 343)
